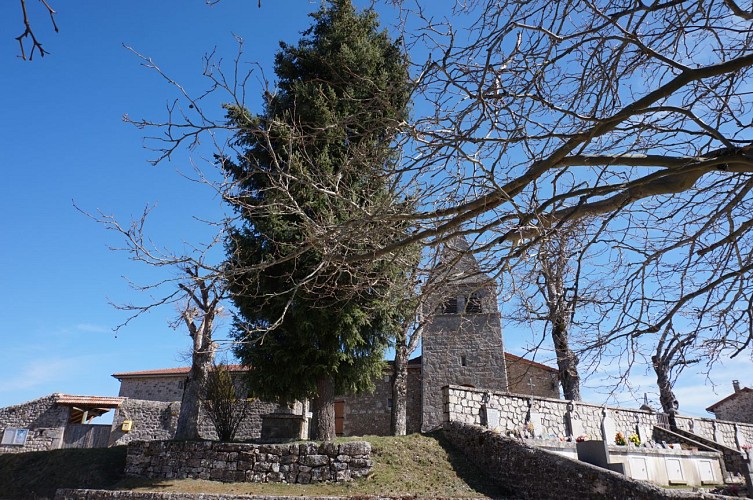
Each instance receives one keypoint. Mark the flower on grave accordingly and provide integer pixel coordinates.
(582, 437)
(619, 439)
(529, 427)
(633, 438)
(747, 447)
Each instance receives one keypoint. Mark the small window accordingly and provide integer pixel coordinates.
(14, 437)
(463, 361)
(389, 403)
(450, 305)
(473, 304)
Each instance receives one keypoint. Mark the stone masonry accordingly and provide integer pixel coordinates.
(369, 414)
(462, 340)
(555, 418)
(738, 406)
(45, 420)
(157, 420)
(540, 474)
(239, 462)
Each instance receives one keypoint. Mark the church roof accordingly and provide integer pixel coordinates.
(412, 363)
(457, 265)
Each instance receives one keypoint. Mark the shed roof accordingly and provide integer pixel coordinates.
(94, 401)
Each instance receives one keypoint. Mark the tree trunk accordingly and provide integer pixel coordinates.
(324, 409)
(669, 403)
(202, 360)
(398, 417)
(567, 361)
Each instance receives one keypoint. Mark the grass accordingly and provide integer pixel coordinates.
(414, 465)
(38, 474)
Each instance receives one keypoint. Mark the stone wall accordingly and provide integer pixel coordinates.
(238, 462)
(45, 420)
(460, 349)
(558, 418)
(522, 374)
(540, 474)
(70, 494)
(369, 414)
(157, 420)
(158, 388)
(738, 407)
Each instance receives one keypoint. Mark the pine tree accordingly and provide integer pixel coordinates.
(309, 326)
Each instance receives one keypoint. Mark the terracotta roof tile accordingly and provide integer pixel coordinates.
(181, 370)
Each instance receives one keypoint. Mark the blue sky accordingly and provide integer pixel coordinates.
(63, 139)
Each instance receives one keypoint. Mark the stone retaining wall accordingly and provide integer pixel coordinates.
(464, 404)
(236, 462)
(531, 472)
(69, 494)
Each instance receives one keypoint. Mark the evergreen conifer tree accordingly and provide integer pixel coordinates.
(309, 326)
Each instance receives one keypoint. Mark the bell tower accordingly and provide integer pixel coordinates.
(462, 339)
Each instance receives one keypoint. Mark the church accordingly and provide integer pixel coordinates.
(461, 345)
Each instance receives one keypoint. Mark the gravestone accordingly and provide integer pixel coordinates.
(576, 427)
(608, 429)
(645, 433)
(538, 423)
(492, 417)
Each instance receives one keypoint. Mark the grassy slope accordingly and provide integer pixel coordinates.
(411, 465)
(39, 474)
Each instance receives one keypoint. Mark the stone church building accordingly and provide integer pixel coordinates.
(461, 345)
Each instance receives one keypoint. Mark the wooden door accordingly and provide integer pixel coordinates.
(339, 417)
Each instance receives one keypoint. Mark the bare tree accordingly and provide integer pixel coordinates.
(195, 287)
(528, 115)
(550, 285)
(28, 33)
(674, 351)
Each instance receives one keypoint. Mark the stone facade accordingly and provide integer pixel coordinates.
(462, 339)
(156, 388)
(157, 420)
(369, 414)
(737, 407)
(44, 419)
(531, 378)
(236, 462)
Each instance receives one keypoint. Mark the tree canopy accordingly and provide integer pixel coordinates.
(313, 160)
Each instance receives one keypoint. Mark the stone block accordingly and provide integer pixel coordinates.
(314, 460)
(355, 448)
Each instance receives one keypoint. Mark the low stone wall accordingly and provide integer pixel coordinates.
(557, 417)
(238, 462)
(531, 472)
(45, 420)
(69, 494)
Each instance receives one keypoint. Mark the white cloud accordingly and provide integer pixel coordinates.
(40, 372)
(92, 328)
